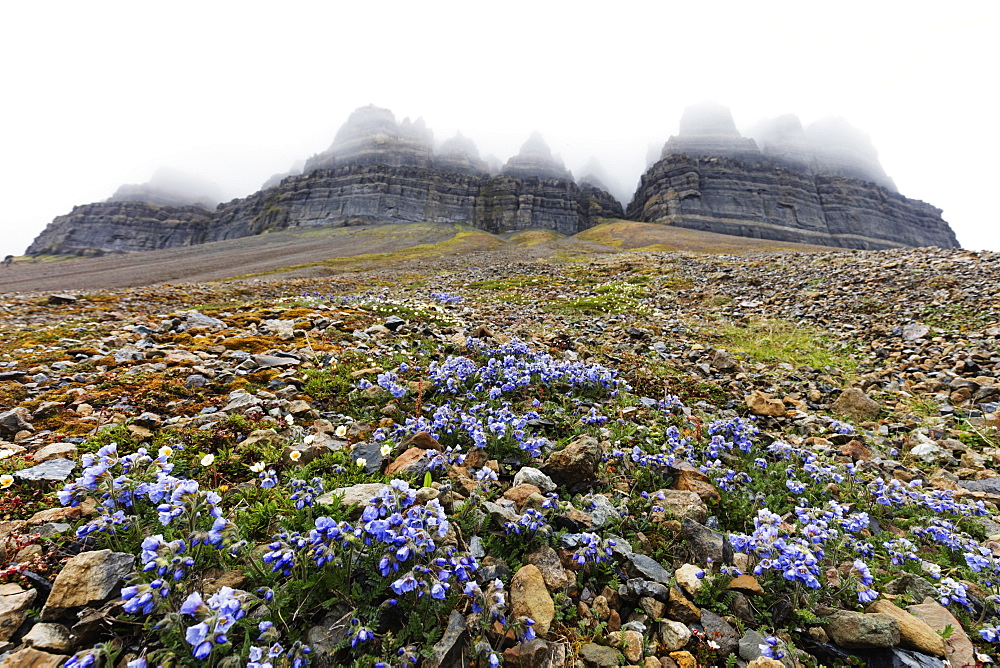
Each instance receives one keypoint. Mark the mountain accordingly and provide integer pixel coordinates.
(376, 170)
(819, 185)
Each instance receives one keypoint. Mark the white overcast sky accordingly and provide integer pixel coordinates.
(97, 94)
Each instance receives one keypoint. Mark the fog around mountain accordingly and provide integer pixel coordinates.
(236, 93)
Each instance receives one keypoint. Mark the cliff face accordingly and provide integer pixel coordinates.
(376, 170)
(414, 194)
(764, 199)
(117, 227)
(822, 185)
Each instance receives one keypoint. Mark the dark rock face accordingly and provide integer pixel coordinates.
(376, 170)
(168, 187)
(765, 200)
(820, 185)
(116, 227)
(355, 194)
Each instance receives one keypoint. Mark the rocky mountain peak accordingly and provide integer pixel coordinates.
(372, 136)
(594, 175)
(168, 187)
(843, 150)
(708, 129)
(535, 159)
(459, 154)
(782, 138)
(831, 146)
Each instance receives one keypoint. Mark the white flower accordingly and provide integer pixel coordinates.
(295, 455)
(208, 460)
(6, 480)
(309, 439)
(385, 449)
(4, 454)
(341, 431)
(361, 461)
(290, 419)
(165, 451)
(258, 467)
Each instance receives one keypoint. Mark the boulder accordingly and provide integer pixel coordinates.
(529, 597)
(959, 650)
(14, 605)
(547, 561)
(50, 637)
(599, 656)
(913, 632)
(447, 651)
(52, 470)
(857, 405)
(858, 630)
(674, 635)
(86, 579)
(29, 657)
(575, 463)
(761, 403)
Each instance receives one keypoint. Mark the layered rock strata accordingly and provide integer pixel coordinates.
(763, 199)
(376, 170)
(118, 227)
(823, 188)
(360, 194)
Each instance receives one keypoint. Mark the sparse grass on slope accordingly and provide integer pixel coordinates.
(775, 340)
(636, 236)
(465, 239)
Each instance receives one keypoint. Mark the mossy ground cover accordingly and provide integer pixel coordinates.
(773, 340)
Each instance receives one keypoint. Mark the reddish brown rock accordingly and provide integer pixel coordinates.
(856, 451)
(32, 658)
(421, 440)
(521, 493)
(913, 631)
(692, 480)
(413, 461)
(746, 583)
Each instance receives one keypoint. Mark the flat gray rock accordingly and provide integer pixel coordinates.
(55, 470)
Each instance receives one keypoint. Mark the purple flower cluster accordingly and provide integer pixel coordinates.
(865, 592)
(796, 551)
(532, 520)
(940, 501)
(589, 547)
(388, 381)
(977, 557)
(736, 432)
(216, 617)
(304, 493)
(275, 655)
(839, 427)
(513, 366)
(674, 448)
(772, 648)
(445, 298)
(481, 423)
(952, 591)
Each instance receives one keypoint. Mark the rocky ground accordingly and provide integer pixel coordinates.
(659, 459)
